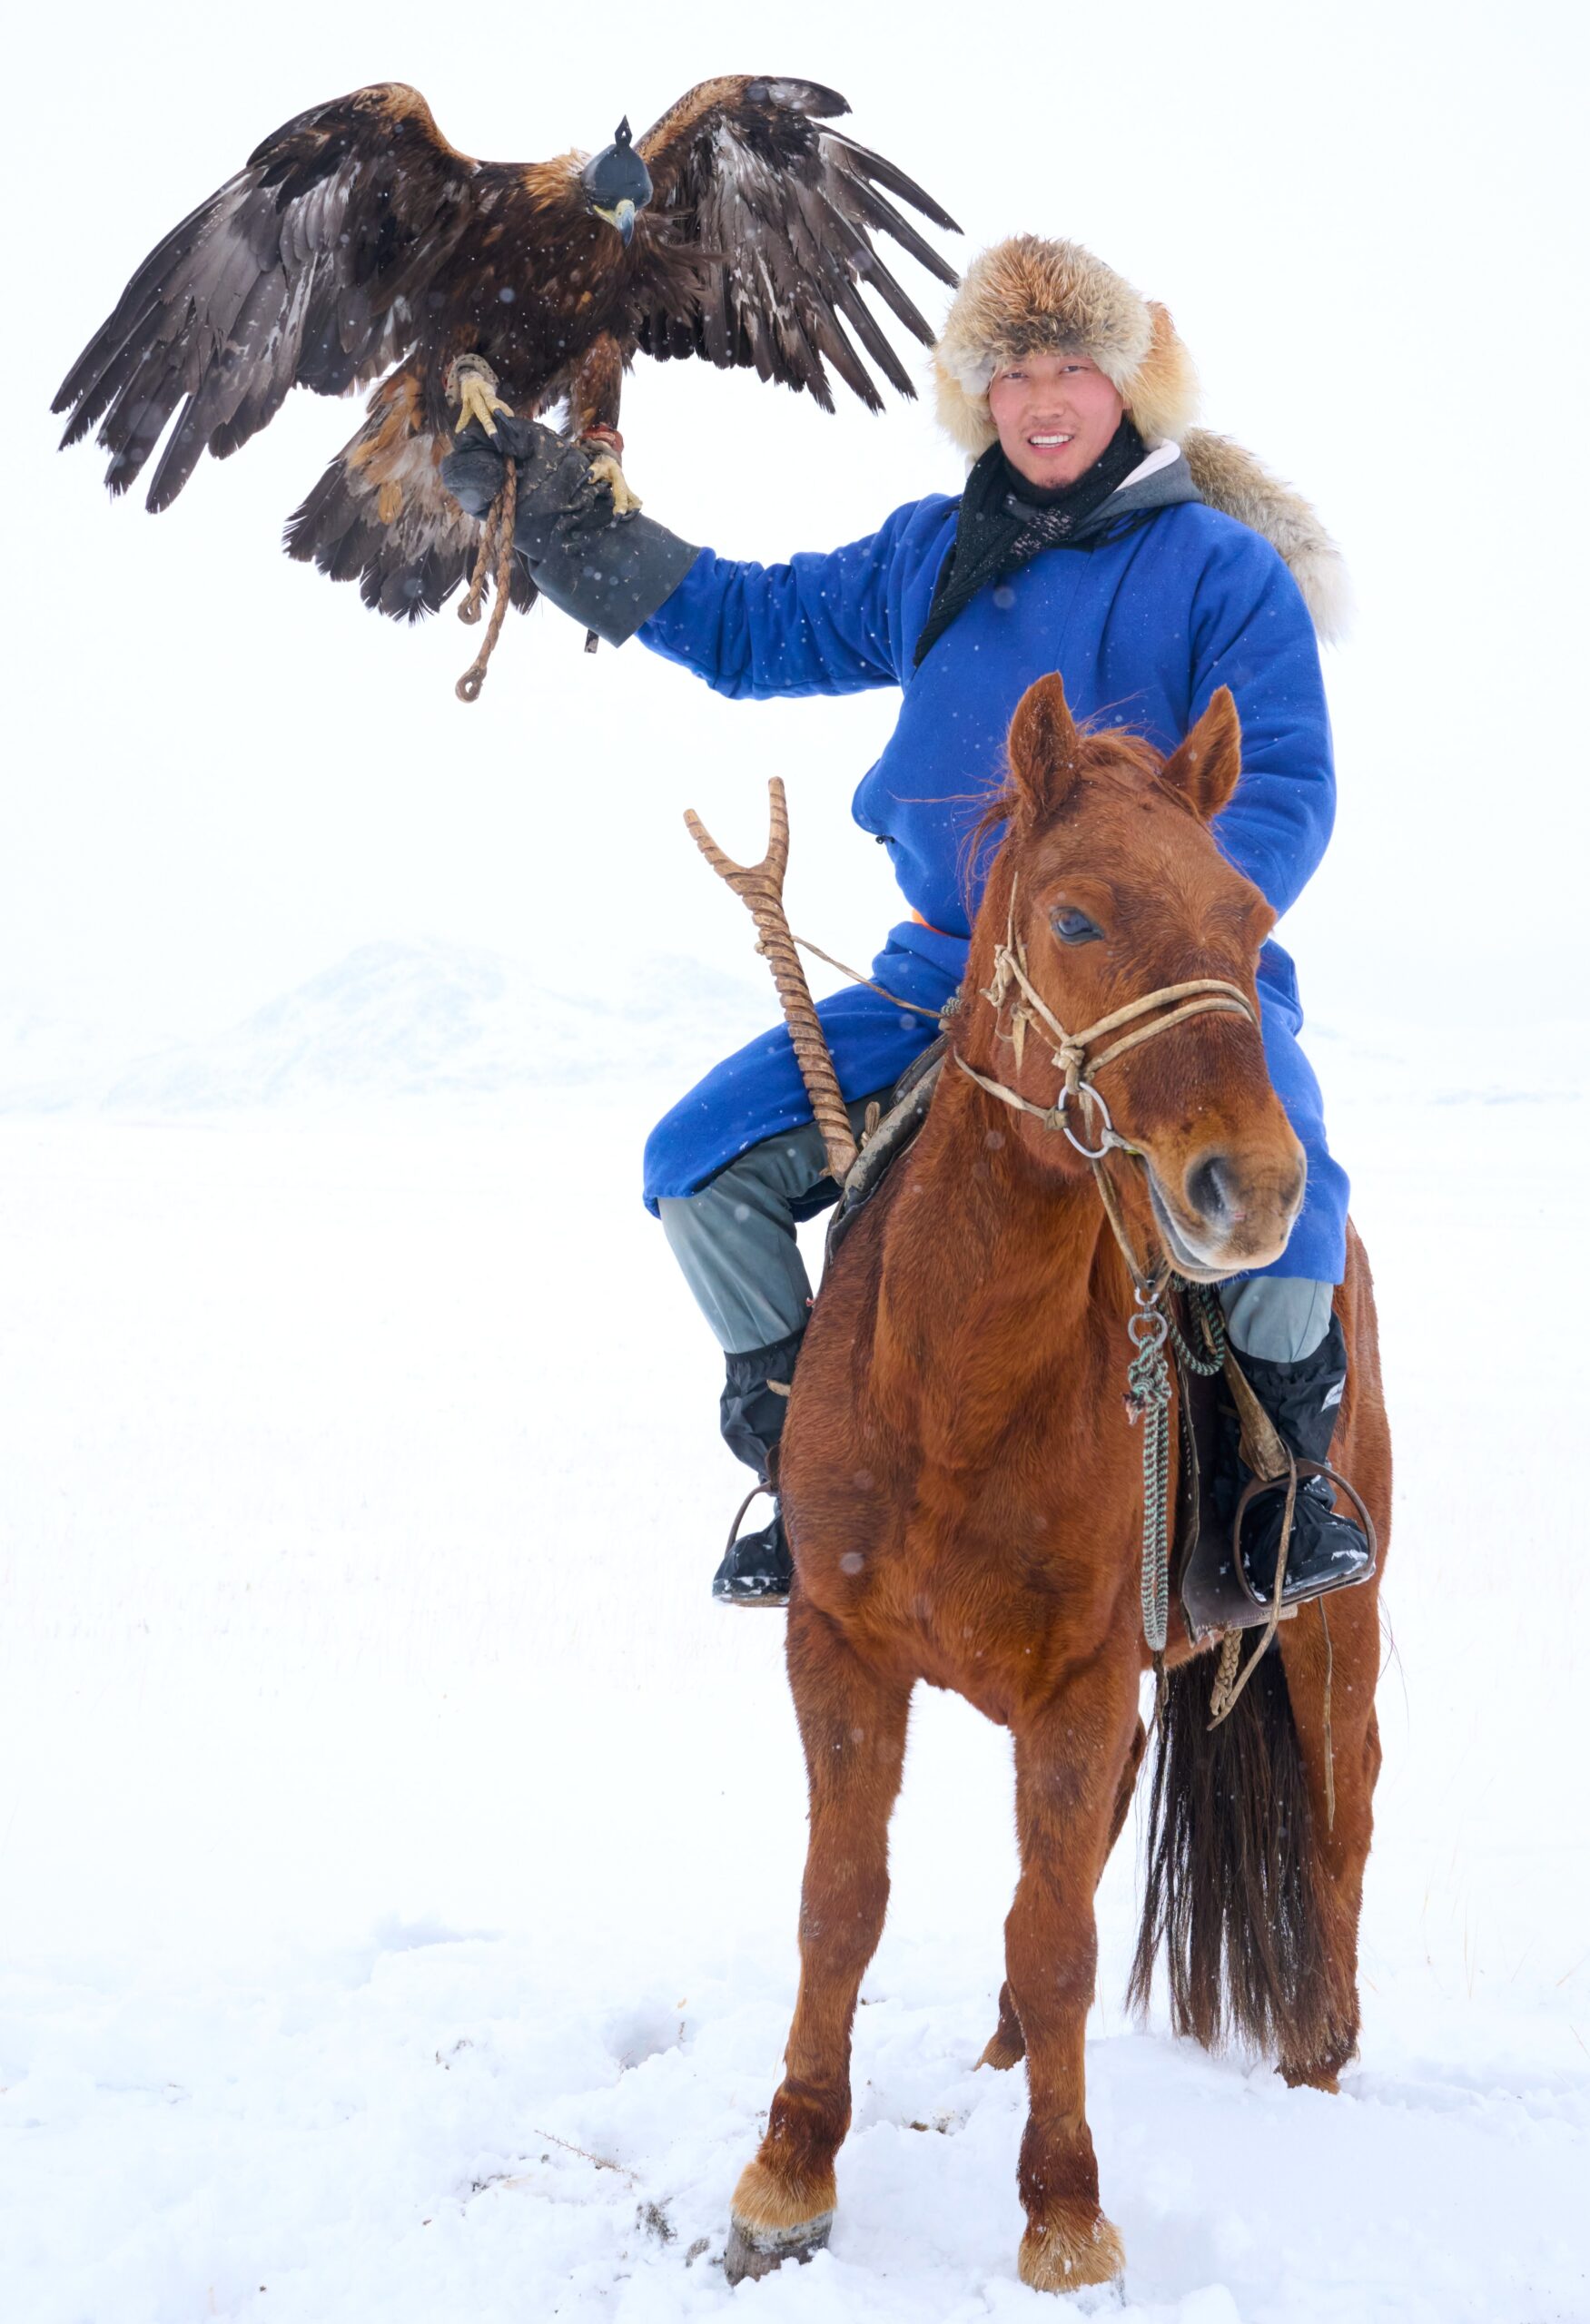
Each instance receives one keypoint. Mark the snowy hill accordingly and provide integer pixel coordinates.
(427, 1020)
(49, 1050)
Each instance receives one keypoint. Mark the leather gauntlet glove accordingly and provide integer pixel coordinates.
(610, 573)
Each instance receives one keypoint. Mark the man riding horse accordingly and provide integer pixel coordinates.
(1090, 540)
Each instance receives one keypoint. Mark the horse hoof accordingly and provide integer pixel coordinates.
(1087, 2263)
(1088, 2300)
(756, 2252)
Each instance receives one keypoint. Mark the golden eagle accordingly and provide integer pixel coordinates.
(357, 245)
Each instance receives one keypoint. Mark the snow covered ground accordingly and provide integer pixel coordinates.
(398, 1854)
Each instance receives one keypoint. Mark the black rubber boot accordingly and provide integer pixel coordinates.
(757, 1570)
(1326, 1551)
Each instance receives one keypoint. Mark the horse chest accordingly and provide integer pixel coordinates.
(970, 1512)
(986, 1584)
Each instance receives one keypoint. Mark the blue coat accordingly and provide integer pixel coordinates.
(1144, 623)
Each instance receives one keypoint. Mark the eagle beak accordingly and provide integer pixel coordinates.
(623, 217)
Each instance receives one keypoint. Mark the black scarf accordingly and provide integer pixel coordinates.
(1005, 522)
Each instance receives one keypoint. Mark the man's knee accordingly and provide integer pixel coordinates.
(735, 1237)
(1280, 1317)
(734, 1240)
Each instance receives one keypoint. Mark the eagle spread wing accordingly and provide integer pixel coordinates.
(780, 211)
(306, 268)
(358, 245)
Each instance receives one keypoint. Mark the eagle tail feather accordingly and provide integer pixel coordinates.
(408, 560)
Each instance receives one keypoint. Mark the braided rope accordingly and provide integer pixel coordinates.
(484, 556)
(1222, 1693)
(496, 541)
(760, 887)
(1148, 1399)
(1212, 1325)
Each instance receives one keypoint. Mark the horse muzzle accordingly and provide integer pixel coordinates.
(1226, 1218)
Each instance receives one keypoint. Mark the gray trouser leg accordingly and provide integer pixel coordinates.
(735, 1243)
(735, 1239)
(1280, 1317)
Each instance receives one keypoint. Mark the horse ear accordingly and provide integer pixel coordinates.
(1043, 746)
(1206, 766)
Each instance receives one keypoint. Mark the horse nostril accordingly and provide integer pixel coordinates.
(1212, 1189)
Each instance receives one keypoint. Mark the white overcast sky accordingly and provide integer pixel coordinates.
(223, 774)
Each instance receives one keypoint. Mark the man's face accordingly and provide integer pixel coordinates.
(1055, 415)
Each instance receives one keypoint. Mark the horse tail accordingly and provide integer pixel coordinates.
(1231, 1898)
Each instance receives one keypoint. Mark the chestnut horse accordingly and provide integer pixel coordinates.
(965, 1503)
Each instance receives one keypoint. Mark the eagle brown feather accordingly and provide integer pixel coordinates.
(358, 245)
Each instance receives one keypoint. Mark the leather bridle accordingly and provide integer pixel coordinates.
(1197, 996)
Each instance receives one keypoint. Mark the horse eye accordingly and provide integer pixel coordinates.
(1073, 927)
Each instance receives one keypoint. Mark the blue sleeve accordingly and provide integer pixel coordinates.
(818, 624)
(1253, 632)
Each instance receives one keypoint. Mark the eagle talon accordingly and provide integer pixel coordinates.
(605, 469)
(474, 382)
(479, 402)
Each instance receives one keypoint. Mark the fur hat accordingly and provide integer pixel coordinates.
(1028, 295)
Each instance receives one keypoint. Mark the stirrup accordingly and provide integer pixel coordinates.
(736, 1520)
(1216, 1592)
(1306, 1471)
(724, 1589)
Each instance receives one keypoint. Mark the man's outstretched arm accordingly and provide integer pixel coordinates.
(818, 624)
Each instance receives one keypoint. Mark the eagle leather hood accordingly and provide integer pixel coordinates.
(1027, 295)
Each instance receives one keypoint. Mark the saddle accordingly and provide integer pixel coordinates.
(1208, 1578)
(886, 1140)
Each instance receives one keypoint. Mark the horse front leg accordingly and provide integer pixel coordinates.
(852, 1726)
(1071, 1763)
(1006, 2046)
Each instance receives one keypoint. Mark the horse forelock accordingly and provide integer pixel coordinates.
(1116, 788)
(1100, 752)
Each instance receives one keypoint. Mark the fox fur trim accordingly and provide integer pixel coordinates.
(1234, 482)
(1027, 294)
